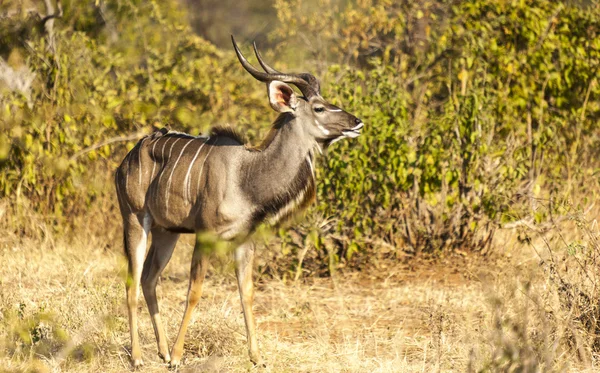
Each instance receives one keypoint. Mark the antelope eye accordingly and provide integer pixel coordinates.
(319, 109)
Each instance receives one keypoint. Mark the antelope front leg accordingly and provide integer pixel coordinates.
(197, 274)
(244, 260)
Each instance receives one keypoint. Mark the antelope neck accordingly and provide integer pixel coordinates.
(283, 170)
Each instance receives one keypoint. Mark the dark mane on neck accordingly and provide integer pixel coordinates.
(279, 122)
(230, 132)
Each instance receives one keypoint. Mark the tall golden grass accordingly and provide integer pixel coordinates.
(531, 309)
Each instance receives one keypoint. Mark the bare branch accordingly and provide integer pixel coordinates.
(112, 140)
(48, 21)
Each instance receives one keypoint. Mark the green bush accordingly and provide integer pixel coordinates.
(473, 111)
(61, 139)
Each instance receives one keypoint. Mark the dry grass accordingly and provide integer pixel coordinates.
(62, 309)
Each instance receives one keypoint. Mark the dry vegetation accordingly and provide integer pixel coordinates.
(477, 112)
(62, 307)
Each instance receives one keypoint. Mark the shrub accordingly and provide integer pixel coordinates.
(102, 87)
(472, 111)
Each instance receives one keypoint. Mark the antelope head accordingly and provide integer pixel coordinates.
(325, 122)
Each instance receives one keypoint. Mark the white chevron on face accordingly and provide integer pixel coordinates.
(162, 168)
(323, 129)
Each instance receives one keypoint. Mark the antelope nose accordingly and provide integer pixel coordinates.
(359, 124)
(354, 131)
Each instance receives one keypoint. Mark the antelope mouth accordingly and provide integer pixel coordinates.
(354, 131)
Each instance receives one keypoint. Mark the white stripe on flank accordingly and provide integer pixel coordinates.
(202, 167)
(140, 161)
(323, 129)
(162, 173)
(154, 161)
(171, 150)
(167, 193)
(186, 181)
(162, 153)
(162, 170)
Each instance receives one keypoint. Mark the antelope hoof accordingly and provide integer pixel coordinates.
(174, 364)
(261, 365)
(138, 363)
(166, 358)
(258, 362)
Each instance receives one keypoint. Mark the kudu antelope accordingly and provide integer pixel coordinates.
(172, 183)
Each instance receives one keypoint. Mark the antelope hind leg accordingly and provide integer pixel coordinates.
(197, 274)
(135, 234)
(163, 243)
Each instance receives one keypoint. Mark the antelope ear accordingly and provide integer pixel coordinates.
(282, 97)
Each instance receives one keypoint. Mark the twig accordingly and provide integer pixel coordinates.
(379, 242)
(301, 256)
(48, 22)
(112, 140)
(51, 12)
(531, 225)
(544, 34)
(587, 96)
